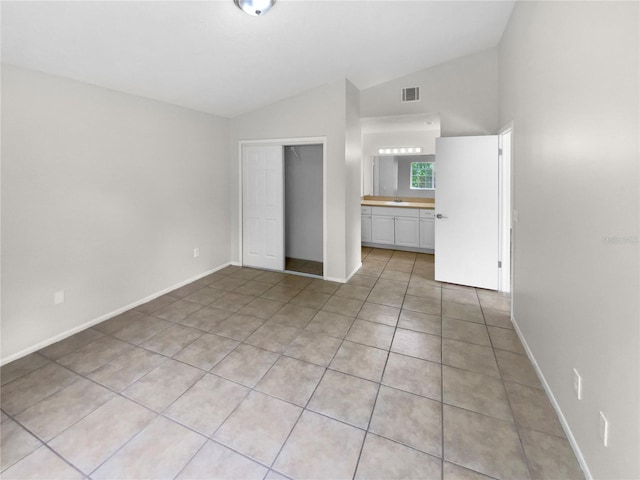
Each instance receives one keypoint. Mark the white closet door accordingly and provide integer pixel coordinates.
(263, 206)
(466, 243)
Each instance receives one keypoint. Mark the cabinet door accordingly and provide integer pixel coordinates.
(365, 223)
(382, 229)
(407, 232)
(427, 232)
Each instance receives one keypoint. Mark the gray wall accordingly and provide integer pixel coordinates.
(569, 81)
(464, 92)
(303, 202)
(105, 196)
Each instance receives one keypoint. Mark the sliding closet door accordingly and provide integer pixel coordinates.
(262, 207)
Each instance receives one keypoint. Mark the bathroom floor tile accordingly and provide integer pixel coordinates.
(483, 444)
(371, 333)
(207, 404)
(15, 443)
(420, 322)
(320, 447)
(159, 388)
(100, 434)
(159, 451)
(226, 463)
(259, 427)
(332, 324)
(345, 398)
(417, 344)
(382, 458)
(384, 314)
(206, 351)
(42, 463)
(413, 375)
(246, 365)
(409, 419)
(314, 348)
(291, 380)
(475, 392)
(360, 361)
(118, 374)
(238, 326)
(52, 415)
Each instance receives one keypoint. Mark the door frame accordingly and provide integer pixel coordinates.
(505, 203)
(283, 142)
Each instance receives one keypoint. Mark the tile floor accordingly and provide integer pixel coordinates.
(254, 374)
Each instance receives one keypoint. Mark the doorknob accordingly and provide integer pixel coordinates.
(439, 215)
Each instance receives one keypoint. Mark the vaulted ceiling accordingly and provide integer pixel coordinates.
(212, 57)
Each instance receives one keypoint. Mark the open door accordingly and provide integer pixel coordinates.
(466, 236)
(263, 206)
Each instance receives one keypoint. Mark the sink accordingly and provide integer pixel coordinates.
(397, 204)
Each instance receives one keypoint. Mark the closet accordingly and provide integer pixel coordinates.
(282, 207)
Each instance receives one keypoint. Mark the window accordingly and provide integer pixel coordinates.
(422, 176)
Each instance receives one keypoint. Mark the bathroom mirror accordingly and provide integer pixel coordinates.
(392, 176)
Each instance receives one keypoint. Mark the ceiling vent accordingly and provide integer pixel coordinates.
(411, 94)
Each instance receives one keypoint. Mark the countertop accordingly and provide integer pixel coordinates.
(369, 201)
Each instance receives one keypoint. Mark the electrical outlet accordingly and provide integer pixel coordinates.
(516, 216)
(577, 384)
(58, 297)
(196, 252)
(604, 429)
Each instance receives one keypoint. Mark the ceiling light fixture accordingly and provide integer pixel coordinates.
(255, 7)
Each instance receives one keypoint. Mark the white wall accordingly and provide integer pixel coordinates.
(320, 112)
(353, 175)
(105, 196)
(569, 80)
(303, 202)
(463, 91)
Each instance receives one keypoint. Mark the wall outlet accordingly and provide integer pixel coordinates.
(604, 429)
(516, 216)
(196, 252)
(577, 384)
(58, 297)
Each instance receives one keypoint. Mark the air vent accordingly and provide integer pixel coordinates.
(411, 94)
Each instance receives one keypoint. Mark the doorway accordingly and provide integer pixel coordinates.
(282, 224)
(303, 209)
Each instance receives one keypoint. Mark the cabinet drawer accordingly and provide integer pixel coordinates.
(427, 213)
(395, 211)
(365, 210)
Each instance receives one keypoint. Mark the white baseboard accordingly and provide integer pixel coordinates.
(355, 270)
(102, 318)
(554, 403)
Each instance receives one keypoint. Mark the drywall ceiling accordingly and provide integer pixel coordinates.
(212, 57)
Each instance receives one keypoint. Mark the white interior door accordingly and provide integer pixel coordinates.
(263, 206)
(466, 225)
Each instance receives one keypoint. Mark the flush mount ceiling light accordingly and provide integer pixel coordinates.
(399, 151)
(254, 7)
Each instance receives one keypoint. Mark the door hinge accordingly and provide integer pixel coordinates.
(499, 264)
(499, 151)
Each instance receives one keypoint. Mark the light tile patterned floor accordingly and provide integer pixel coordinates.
(253, 374)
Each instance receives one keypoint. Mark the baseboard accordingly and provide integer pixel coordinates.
(554, 403)
(102, 318)
(398, 247)
(355, 270)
